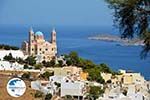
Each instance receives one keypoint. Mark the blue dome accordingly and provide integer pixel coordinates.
(39, 33)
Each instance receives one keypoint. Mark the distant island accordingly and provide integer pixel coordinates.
(115, 38)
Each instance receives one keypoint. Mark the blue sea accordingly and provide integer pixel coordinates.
(75, 38)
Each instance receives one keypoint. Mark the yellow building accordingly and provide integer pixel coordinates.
(83, 76)
(125, 78)
(131, 77)
(39, 47)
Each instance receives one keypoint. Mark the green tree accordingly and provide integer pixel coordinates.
(38, 66)
(7, 47)
(95, 91)
(9, 57)
(104, 68)
(20, 60)
(74, 57)
(69, 62)
(52, 63)
(48, 96)
(30, 60)
(26, 66)
(60, 63)
(132, 17)
(94, 75)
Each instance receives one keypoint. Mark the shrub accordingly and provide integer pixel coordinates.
(38, 94)
(47, 74)
(26, 66)
(26, 75)
(48, 96)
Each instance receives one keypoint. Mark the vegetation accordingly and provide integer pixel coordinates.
(47, 74)
(68, 97)
(26, 75)
(7, 47)
(9, 58)
(88, 66)
(95, 92)
(132, 18)
(38, 94)
(26, 66)
(30, 60)
(38, 66)
(49, 63)
(20, 60)
(48, 96)
(60, 63)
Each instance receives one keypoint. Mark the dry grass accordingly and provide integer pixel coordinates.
(4, 78)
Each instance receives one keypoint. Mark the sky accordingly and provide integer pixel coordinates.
(55, 12)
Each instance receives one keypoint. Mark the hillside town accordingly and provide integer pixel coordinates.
(66, 77)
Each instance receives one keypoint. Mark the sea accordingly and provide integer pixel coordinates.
(75, 38)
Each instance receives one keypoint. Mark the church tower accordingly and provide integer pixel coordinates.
(31, 42)
(53, 41)
(53, 36)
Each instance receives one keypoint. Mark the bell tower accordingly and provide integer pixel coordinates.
(53, 41)
(31, 40)
(53, 36)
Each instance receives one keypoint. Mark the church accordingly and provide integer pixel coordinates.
(39, 47)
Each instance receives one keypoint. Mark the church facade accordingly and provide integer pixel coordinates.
(39, 47)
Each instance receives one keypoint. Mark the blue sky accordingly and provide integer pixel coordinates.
(55, 12)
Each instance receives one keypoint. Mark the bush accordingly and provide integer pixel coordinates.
(38, 66)
(26, 75)
(30, 60)
(95, 91)
(48, 96)
(47, 74)
(60, 63)
(7, 47)
(38, 94)
(68, 62)
(9, 57)
(26, 66)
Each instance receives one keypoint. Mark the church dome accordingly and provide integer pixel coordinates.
(39, 33)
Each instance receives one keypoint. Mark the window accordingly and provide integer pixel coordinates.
(32, 49)
(44, 57)
(43, 52)
(46, 49)
(40, 49)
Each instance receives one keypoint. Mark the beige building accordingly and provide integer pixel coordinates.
(125, 77)
(39, 47)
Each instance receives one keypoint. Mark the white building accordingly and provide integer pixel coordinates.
(73, 88)
(5, 65)
(15, 53)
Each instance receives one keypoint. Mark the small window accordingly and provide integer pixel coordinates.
(32, 49)
(43, 52)
(44, 57)
(40, 49)
(46, 49)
